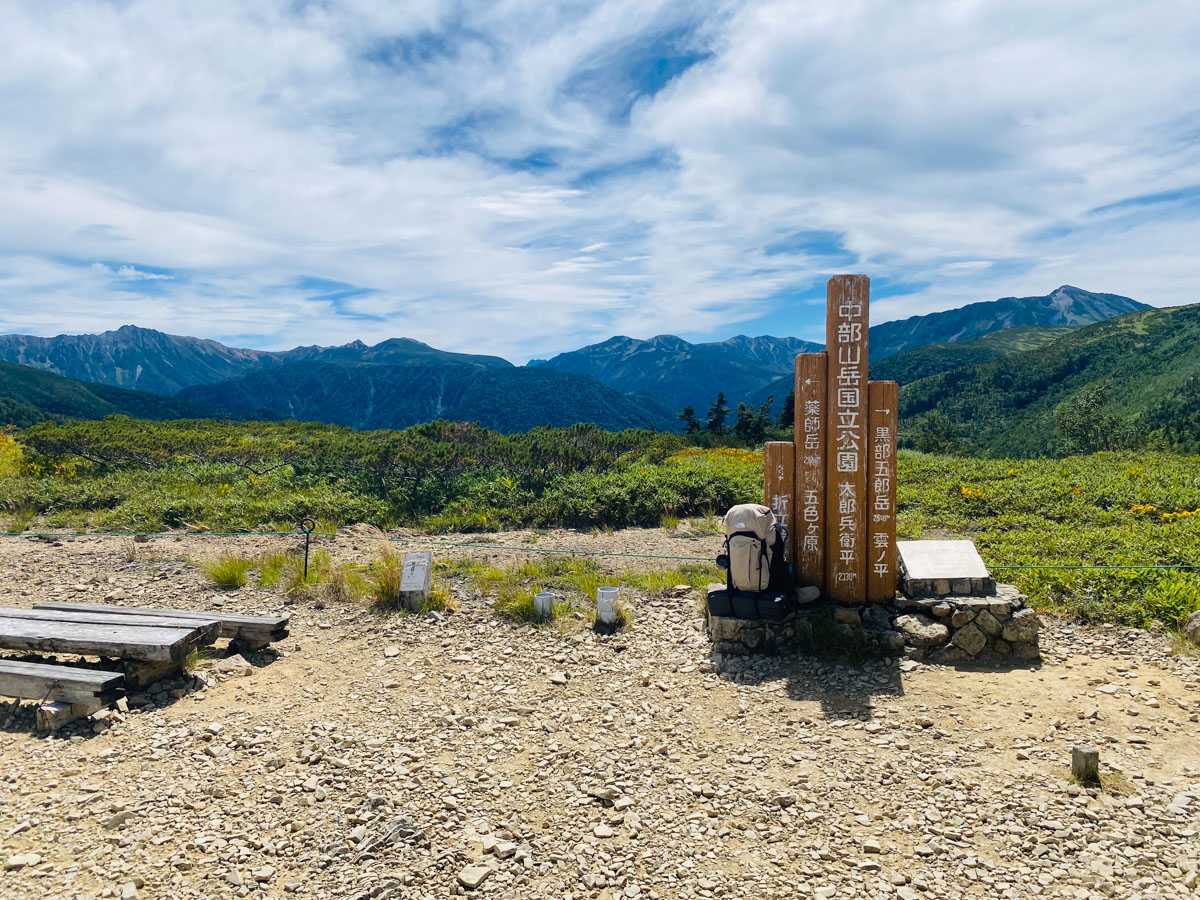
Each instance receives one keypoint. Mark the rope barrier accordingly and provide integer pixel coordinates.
(483, 545)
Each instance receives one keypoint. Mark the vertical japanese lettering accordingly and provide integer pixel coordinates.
(846, 497)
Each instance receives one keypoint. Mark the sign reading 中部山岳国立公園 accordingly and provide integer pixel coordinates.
(843, 508)
(845, 464)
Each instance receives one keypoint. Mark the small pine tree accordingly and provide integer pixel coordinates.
(688, 417)
(718, 413)
(787, 415)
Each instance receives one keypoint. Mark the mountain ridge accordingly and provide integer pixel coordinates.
(650, 380)
(1066, 305)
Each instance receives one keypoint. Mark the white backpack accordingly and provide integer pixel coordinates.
(750, 546)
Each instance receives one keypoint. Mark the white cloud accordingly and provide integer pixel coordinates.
(472, 166)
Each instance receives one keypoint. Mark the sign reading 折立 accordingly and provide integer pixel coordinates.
(842, 507)
(779, 487)
(845, 464)
(809, 440)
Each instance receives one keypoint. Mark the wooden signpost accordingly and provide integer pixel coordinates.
(842, 511)
(882, 399)
(845, 464)
(779, 487)
(810, 400)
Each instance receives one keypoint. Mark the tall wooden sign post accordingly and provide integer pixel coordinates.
(779, 487)
(846, 461)
(809, 440)
(882, 399)
(842, 512)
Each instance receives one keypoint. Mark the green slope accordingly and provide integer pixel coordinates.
(922, 362)
(1145, 366)
(31, 395)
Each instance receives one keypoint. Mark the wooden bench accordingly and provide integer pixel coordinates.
(90, 634)
(249, 632)
(66, 692)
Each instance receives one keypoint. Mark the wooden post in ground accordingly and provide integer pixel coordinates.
(846, 498)
(883, 398)
(1085, 764)
(779, 487)
(809, 438)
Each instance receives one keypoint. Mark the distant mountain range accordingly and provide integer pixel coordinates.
(393, 384)
(679, 373)
(620, 383)
(1069, 306)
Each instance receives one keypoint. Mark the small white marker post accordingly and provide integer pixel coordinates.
(543, 605)
(606, 605)
(416, 580)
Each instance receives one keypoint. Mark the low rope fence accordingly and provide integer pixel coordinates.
(562, 551)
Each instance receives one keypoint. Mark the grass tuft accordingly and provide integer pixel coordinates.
(20, 519)
(227, 572)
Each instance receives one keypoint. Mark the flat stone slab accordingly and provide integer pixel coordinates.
(943, 567)
(926, 560)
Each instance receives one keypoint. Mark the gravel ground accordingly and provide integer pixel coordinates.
(385, 756)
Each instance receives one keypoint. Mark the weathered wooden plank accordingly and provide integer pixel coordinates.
(209, 624)
(846, 322)
(810, 436)
(232, 625)
(43, 681)
(88, 639)
(883, 400)
(779, 487)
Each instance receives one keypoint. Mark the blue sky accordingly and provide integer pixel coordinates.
(522, 178)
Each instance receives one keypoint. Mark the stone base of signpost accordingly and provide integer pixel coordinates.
(951, 630)
(954, 630)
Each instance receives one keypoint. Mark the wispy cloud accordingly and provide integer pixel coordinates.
(521, 177)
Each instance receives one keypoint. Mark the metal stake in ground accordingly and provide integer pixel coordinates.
(308, 526)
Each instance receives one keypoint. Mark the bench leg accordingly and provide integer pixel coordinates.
(138, 675)
(247, 645)
(51, 716)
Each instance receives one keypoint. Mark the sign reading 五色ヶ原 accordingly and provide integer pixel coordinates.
(842, 512)
(809, 440)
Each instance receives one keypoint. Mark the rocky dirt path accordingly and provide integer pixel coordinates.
(385, 756)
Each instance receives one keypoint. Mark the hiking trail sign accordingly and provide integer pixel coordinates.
(839, 503)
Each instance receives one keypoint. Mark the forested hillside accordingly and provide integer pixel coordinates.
(922, 362)
(376, 395)
(1126, 382)
(30, 395)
